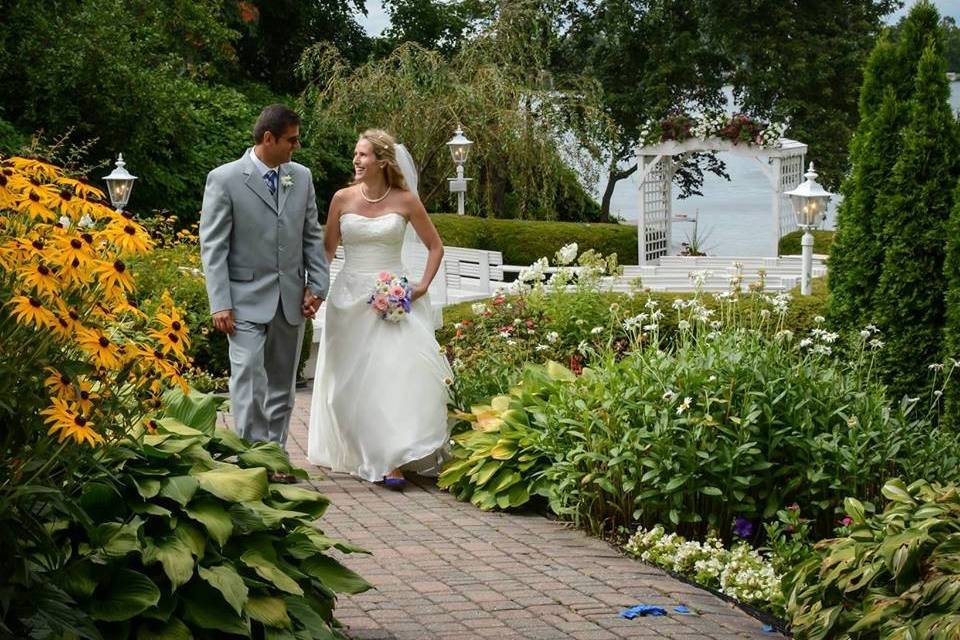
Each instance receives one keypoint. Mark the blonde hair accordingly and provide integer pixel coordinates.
(385, 150)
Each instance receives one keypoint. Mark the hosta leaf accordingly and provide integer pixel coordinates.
(205, 607)
(211, 514)
(334, 575)
(174, 426)
(147, 487)
(225, 579)
(486, 472)
(854, 509)
(269, 516)
(174, 556)
(895, 491)
(127, 594)
(504, 450)
(197, 410)
(235, 484)
(269, 571)
(229, 440)
(117, 540)
(173, 629)
(265, 454)
(268, 610)
(180, 489)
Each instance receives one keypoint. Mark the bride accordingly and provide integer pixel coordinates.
(380, 392)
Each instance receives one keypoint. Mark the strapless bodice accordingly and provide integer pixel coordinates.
(372, 244)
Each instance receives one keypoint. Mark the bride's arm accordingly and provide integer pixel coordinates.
(331, 233)
(423, 225)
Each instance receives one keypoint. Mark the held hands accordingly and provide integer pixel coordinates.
(310, 303)
(223, 321)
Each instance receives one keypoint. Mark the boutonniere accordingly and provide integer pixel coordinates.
(286, 181)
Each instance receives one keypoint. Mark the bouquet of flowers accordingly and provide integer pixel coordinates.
(391, 297)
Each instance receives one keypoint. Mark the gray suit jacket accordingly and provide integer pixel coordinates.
(256, 252)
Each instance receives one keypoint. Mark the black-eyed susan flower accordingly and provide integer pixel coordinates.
(58, 384)
(102, 351)
(41, 279)
(70, 423)
(81, 189)
(169, 342)
(127, 236)
(75, 273)
(153, 362)
(32, 204)
(114, 278)
(70, 247)
(28, 310)
(85, 397)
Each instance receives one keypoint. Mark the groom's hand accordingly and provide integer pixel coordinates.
(310, 303)
(223, 321)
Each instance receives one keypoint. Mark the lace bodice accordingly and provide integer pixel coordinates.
(372, 244)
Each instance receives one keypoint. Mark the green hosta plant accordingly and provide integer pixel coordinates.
(189, 539)
(498, 462)
(896, 575)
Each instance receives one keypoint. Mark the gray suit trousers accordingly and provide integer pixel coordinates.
(263, 368)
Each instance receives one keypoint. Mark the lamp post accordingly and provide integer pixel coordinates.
(459, 150)
(809, 202)
(119, 184)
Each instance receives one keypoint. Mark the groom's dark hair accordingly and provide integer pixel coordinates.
(276, 119)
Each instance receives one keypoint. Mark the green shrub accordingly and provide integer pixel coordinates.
(734, 415)
(790, 243)
(522, 242)
(894, 575)
(185, 535)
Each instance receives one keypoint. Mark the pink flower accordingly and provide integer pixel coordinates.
(380, 303)
(847, 521)
(397, 291)
(385, 276)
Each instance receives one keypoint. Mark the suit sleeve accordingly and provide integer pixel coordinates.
(216, 225)
(314, 254)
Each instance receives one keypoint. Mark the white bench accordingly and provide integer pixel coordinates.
(472, 274)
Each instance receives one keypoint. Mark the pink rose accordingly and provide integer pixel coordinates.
(398, 291)
(385, 276)
(380, 303)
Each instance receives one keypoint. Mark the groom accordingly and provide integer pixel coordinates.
(263, 257)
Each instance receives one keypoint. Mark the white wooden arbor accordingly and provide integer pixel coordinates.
(782, 164)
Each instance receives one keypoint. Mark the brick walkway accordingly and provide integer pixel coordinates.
(445, 569)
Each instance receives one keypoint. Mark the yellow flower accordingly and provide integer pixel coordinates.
(127, 236)
(81, 189)
(60, 385)
(32, 204)
(40, 278)
(70, 422)
(153, 361)
(71, 248)
(172, 322)
(114, 278)
(101, 350)
(169, 342)
(28, 310)
(84, 397)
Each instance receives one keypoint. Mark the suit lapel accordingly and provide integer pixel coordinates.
(284, 191)
(255, 182)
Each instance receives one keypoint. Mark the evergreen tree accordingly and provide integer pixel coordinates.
(951, 333)
(908, 306)
(857, 254)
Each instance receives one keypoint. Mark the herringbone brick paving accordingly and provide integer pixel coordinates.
(446, 570)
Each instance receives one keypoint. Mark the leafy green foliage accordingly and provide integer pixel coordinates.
(188, 536)
(674, 420)
(421, 97)
(895, 575)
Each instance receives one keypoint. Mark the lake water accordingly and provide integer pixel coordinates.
(733, 218)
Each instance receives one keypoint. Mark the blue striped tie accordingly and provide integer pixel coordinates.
(271, 179)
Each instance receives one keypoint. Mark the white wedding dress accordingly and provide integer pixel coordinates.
(380, 392)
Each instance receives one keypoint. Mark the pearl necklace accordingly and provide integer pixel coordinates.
(363, 193)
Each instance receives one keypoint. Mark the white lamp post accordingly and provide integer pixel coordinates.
(119, 184)
(810, 202)
(459, 150)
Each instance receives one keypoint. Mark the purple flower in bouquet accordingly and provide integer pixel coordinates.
(742, 527)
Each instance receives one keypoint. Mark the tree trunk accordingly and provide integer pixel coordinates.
(615, 176)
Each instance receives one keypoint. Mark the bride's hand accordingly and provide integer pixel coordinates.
(418, 292)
